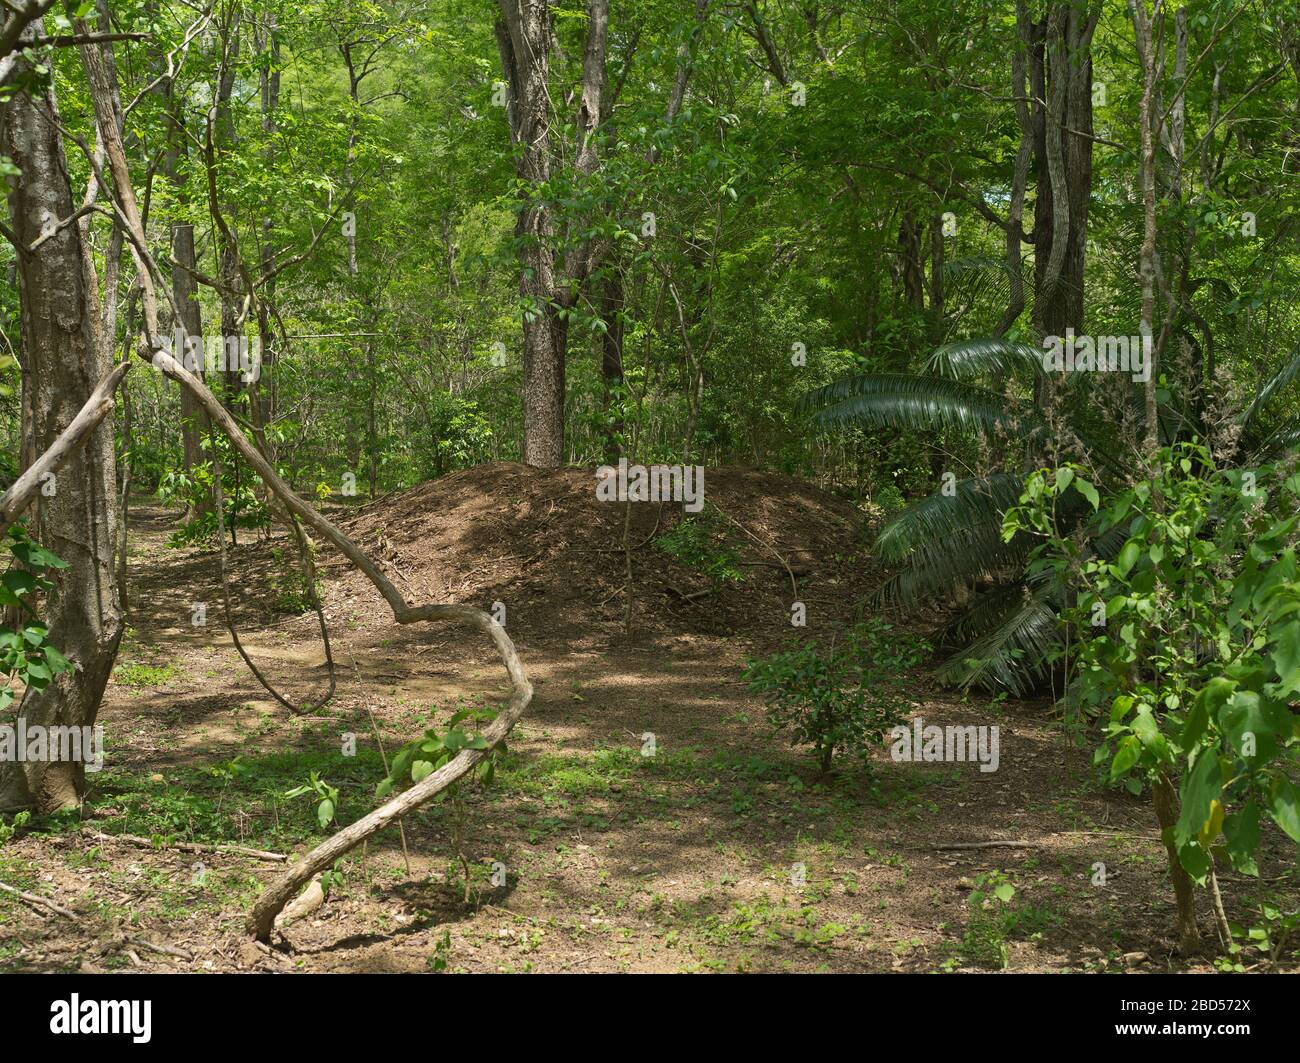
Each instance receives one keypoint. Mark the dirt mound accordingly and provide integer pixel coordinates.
(541, 543)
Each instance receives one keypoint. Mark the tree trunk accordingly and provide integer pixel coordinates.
(1164, 800)
(611, 362)
(1059, 49)
(78, 519)
(548, 287)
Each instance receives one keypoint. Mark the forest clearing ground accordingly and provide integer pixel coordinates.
(614, 861)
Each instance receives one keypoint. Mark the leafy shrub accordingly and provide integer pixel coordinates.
(1186, 636)
(290, 587)
(842, 698)
(193, 489)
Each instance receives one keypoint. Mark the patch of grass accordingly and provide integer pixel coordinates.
(139, 676)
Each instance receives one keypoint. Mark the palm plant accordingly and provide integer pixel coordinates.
(947, 548)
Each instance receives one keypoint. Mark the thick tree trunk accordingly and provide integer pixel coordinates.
(78, 520)
(548, 287)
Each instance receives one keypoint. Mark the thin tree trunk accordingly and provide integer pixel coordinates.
(1147, 183)
(1164, 801)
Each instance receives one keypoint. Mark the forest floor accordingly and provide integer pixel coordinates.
(722, 851)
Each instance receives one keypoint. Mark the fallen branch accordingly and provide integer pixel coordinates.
(32, 898)
(1012, 844)
(71, 439)
(191, 847)
(162, 950)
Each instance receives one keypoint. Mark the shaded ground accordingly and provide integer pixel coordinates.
(720, 852)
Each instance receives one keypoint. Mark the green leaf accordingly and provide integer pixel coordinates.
(1286, 655)
(1202, 786)
(1088, 491)
(1241, 831)
(1128, 557)
(1127, 755)
(325, 812)
(18, 582)
(1284, 806)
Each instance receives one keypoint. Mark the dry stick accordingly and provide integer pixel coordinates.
(32, 898)
(70, 440)
(191, 847)
(1013, 844)
(627, 568)
(794, 586)
(1220, 916)
(643, 543)
(164, 950)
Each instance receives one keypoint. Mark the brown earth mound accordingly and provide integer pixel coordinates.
(541, 543)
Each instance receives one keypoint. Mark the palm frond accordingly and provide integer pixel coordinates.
(901, 400)
(973, 358)
(1279, 381)
(1014, 652)
(936, 569)
(974, 501)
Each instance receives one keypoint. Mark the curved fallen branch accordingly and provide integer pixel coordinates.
(281, 891)
(79, 429)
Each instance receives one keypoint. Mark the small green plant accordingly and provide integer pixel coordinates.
(700, 542)
(25, 655)
(327, 798)
(441, 953)
(842, 698)
(991, 918)
(8, 830)
(1268, 937)
(332, 877)
(292, 591)
(140, 676)
(419, 759)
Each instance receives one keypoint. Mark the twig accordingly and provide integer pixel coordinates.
(32, 898)
(164, 950)
(191, 847)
